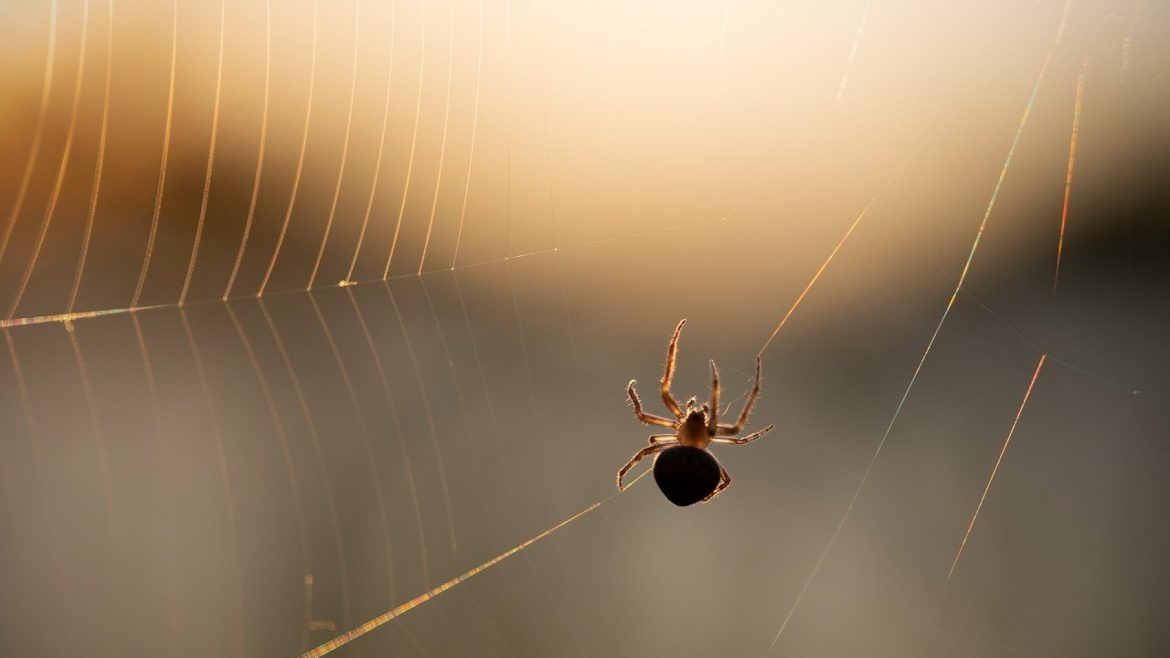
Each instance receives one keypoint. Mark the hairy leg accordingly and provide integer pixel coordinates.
(649, 419)
(724, 482)
(668, 375)
(657, 439)
(713, 418)
(744, 439)
(728, 430)
(638, 456)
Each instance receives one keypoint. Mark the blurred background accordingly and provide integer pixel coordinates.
(209, 446)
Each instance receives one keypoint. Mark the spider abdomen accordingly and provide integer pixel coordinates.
(686, 475)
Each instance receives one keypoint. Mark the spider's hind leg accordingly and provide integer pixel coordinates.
(638, 456)
(724, 482)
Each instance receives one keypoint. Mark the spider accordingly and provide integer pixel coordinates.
(684, 469)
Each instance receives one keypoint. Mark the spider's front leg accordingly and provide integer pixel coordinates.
(713, 418)
(649, 419)
(639, 456)
(668, 375)
(730, 430)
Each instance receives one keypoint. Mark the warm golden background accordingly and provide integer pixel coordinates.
(570, 178)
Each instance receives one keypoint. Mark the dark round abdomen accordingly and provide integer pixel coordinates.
(686, 475)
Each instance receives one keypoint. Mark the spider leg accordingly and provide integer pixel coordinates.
(671, 353)
(745, 439)
(638, 456)
(729, 430)
(724, 482)
(649, 419)
(713, 419)
(659, 439)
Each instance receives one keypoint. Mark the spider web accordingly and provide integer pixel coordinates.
(203, 457)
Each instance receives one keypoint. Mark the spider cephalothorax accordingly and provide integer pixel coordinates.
(684, 469)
